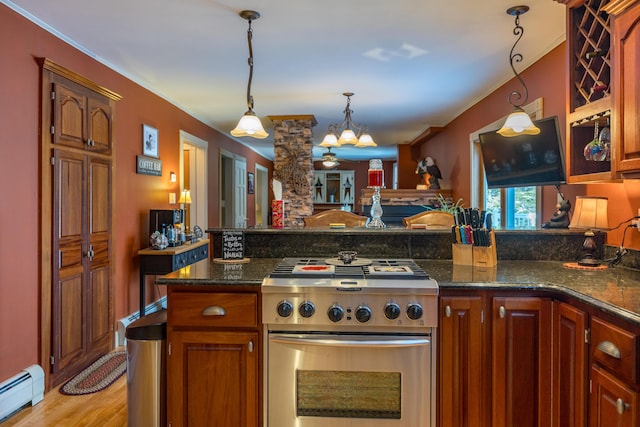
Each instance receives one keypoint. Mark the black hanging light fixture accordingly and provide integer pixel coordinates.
(518, 122)
(249, 124)
(351, 132)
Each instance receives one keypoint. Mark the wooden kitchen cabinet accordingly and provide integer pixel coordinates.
(82, 118)
(626, 86)
(603, 88)
(214, 347)
(612, 402)
(569, 366)
(461, 390)
(589, 99)
(614, 376)
(521, 361)
(334, 187)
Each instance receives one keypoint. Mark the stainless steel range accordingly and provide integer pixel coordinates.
(349, 345)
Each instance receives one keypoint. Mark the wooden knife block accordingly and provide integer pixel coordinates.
(478, 256)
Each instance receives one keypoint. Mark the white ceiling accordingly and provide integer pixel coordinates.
(412, 64)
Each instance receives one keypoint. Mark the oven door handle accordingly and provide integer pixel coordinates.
(413, 342)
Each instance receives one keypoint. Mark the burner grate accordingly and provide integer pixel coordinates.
(396, 269)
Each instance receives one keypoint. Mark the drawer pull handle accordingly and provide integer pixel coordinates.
(621, 406)
(213, 310)
(447, 311)
(610, 349)
(502, 311)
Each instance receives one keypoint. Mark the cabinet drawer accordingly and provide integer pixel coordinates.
(189, 257)
(213, 309)
(615, 348)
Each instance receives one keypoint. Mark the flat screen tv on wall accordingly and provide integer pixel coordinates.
(524, 160)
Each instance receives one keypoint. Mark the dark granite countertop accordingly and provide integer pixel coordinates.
(208, 272)
(614, 290)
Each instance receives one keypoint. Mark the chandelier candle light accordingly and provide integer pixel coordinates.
(375, 176)
(518, 122)
(349, 129)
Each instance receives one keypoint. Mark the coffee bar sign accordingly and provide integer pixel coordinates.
(149, 163)
(148, 166)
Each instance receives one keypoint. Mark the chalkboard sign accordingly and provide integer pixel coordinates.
(232, 245)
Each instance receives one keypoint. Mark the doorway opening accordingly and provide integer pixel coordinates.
(233, 190)
(262, 196)
(193, 177)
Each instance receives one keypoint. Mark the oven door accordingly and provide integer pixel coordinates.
(348, 380)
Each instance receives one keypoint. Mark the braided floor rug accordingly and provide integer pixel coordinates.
(98, 376)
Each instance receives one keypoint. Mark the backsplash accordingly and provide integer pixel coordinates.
(541, 245)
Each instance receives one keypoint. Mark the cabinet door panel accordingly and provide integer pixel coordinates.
(521, 368)
(612, 403)
(461, 362)
(99, 125)
(570, 366)
(626, 57)
(319, 188)
(70, 115)
(213, 379)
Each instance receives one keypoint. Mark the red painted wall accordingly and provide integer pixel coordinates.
(547, 79)
(134, 194)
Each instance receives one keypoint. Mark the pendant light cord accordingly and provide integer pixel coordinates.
(516, 96)
(250, 62)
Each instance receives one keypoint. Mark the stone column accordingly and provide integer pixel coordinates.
(293, 165)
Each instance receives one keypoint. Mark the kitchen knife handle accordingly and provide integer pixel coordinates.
(488, 221)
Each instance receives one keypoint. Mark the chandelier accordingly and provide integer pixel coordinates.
(249, 124)
(351, 133)
(518, 122)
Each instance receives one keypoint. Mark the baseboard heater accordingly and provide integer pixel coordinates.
(26, 388)
(159, 304)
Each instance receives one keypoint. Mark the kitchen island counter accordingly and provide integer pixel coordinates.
(614, 290)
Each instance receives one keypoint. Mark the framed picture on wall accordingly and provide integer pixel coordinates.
(250, 183)
(149, 141)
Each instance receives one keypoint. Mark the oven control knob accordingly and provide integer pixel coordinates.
(414, 311)
(306, 309)
(392, 310)
(363, 314)
(335, 313)
(285, 308)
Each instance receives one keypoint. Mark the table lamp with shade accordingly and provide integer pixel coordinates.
(590, 213)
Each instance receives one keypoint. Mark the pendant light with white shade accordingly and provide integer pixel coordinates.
(518, 122)
(249, 124)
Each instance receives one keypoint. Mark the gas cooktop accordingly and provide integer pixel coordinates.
(332, 268)
(309, 292)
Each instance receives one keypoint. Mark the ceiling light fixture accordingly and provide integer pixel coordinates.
(329, 160)
(518, 122)
(351, 132)
(249, 124)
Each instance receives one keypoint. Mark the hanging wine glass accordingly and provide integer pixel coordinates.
(593, 149)
(605, 140)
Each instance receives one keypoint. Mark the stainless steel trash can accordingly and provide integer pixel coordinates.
(146, 370)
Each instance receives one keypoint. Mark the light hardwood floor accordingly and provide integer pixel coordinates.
(107, 408)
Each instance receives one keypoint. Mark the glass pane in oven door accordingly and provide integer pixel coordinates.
(348, 394)
(347, 380)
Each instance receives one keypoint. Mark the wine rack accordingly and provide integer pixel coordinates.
(590, 57)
